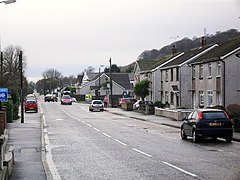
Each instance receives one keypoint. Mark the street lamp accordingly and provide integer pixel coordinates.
(110, 70)
(21, 86)
(8, 1)
(99, 83)
(1, 74)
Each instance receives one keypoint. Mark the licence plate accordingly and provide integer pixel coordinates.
(215, 124)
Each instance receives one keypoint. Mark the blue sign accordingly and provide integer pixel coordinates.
(3, 94)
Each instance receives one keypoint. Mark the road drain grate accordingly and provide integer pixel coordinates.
(28, 150)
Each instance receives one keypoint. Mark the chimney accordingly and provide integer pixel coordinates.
(203, 41)
(174, 49)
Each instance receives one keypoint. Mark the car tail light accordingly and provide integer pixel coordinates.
(200, 115)
(226, 114)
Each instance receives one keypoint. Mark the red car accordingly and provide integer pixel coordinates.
(127, 100)
(31, 105)
(66, 99)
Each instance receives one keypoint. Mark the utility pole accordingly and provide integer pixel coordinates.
(110, 70)
(21, 86)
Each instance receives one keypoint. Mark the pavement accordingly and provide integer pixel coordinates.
(29, 149)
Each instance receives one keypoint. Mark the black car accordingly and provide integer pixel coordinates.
(202, 123)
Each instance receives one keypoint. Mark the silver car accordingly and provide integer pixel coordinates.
(96, 105)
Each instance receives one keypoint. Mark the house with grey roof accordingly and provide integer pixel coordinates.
(99, 86)
(216, 76)
(176, 78)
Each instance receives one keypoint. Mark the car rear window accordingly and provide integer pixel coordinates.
(97, 102)
(31, 102)
(214, 115)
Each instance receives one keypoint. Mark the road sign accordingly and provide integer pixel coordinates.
(3, 94)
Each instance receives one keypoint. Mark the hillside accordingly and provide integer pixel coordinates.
(184, 44)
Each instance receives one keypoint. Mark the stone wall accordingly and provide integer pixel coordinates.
(177, 114)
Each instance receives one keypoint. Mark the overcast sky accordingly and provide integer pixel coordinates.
(70, 35)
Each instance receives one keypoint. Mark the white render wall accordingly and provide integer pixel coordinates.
(232, 82)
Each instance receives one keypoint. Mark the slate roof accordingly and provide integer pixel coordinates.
(92, 76)
(121, 79)
(187, 56)
(222, 50)
(147, 65)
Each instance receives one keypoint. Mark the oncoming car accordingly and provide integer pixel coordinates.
(202, 123)
(96, 105)
(49, 97)
(66, 99)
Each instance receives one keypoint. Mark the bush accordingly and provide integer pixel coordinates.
(159, 104)
(9, 106)
(233, 111)
(15, 111)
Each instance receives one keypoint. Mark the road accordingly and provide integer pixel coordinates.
(101, 145)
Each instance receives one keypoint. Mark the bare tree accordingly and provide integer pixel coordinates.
(52, 79)
(90, 69)
(11, 66)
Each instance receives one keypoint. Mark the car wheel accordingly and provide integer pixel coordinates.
(183, 135)
(195, 137)
(228, 140)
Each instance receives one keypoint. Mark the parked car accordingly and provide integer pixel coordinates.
(96, 105)
(31, 97)
(31, 105)
(66, 99)
(49, 97)
(127, 100)
(202, 123)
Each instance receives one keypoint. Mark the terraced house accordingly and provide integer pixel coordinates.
(150, 69)
(216, 76)
(176, 78)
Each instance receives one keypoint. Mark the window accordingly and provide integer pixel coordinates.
(209, 98)
(166, 96)
(193, 72)
(219, 69)
(161, 76)
(201, 71)
(166, 78)
(209, 69)
(201, 98)
(177, 74)
(219, 99)
(171, 74)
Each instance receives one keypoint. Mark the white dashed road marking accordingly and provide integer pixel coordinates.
(180, 169)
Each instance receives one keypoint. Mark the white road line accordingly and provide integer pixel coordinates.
(146, 154)
(120, 142)
(96, 129)
(89, 125)
(106, 135)
(186, 172)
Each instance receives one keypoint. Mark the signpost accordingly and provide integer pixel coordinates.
(3, 96)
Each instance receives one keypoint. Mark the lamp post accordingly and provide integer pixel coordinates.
(21, 86)
(5, 2)
(110, 70)
(99, 81)
(1, 74)
(8, 1)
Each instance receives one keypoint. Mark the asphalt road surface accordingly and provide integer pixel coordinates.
(101, 145)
